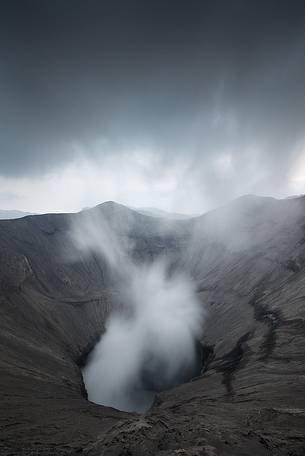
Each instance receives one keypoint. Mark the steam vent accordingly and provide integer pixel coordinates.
(224, 363)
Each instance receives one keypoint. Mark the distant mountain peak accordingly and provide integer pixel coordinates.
(12, 214)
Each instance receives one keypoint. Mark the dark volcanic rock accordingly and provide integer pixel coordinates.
(248, 260)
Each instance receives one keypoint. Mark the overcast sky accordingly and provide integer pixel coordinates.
(180, 105)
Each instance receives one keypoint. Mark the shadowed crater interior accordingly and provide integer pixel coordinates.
(152, 377)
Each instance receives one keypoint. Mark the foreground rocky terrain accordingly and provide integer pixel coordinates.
(248, 261)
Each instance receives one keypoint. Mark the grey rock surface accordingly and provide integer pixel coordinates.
(248, 261)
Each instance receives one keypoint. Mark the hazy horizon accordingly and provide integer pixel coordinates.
(150, 211)
(181, 106)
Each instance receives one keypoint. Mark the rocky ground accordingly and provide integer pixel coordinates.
(248, 261)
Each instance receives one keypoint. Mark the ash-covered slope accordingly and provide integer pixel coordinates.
(248, 259)
(54, 302)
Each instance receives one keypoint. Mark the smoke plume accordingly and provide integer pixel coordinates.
(151, 343)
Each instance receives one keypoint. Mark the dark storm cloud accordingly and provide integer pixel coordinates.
(188, 78)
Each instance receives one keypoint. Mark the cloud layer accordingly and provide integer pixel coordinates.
(214, 88)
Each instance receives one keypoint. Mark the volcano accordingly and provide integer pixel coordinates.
(247, 261)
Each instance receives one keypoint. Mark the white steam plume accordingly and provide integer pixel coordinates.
(152, 344)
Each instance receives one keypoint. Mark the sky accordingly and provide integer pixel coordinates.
(180, 105)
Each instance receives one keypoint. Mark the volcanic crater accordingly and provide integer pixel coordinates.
(245, 393)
